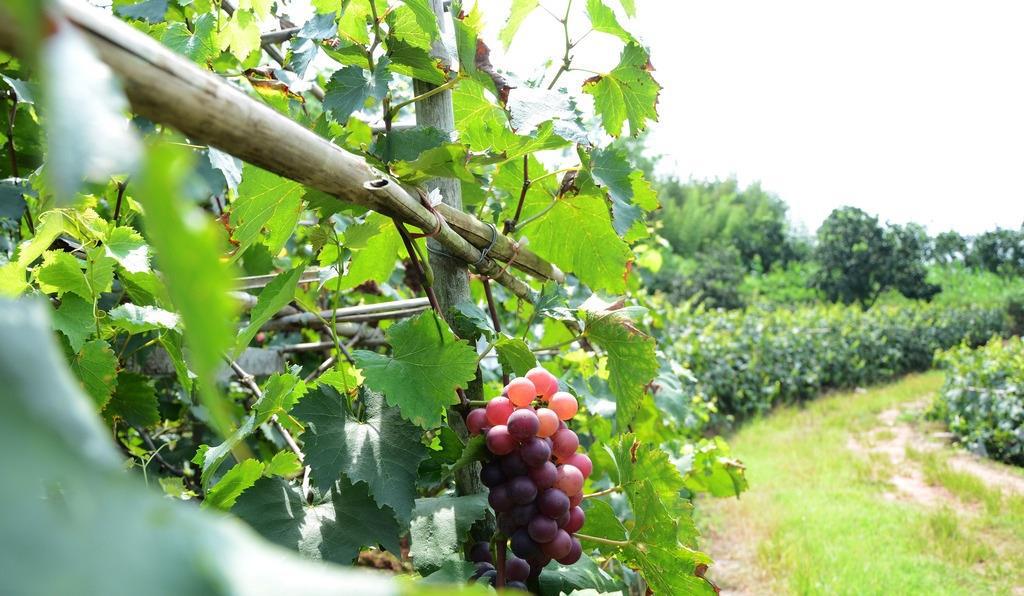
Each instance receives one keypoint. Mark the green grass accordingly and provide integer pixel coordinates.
(817, 520)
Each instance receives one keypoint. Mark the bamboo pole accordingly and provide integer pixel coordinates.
(168, 89)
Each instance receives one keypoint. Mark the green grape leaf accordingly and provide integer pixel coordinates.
(95, 365)
(265, 201)
(632, 362)
(630, 192)
(439, 526)
(61, 272)
(273, 297)
(383, 450)
(241, 476)
(197, 281)
(284, 463)
(481, 123)
(127, 247)
(240, 34)
(530, 107)
(520, 10)
(134, 400)
(515, 356)
(628, 92)
(407, 144)
(707, 467)
(151, 11)
(446, 161)
(137, 319)
(335, 530)
(470, 321)
(351, 86)
(426, 366)
(320, 26)
(280, 393)
(198, 45)
(99, 271)
(577, 235)
(629, 6)
(411, 61)
(603, 19)
(581, 575)
(404, 26)
(474, 450)
(171, 343)
(344, 378)
(375, 246)
(425, 18)
(75, 319)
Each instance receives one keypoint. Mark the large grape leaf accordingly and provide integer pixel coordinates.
(241, 476)
(127, 247)
(75, 319)
(334, 530)
(265, 201)
(350, 87)
(632, 362)
(480, 122)
(61, 273)
(134, 400)
(427, 364)
(439, 526)
(200, 44)
(628, 92)
(375, 245)
(630, 192)
(514, 355)
(581, 575)
(240, 34)
(96, 367)
(381, 450)
(577, 235)
(415, 62)
(197, 281)
(407, 144)
(150, 544)
(137, 319)
(603, 19)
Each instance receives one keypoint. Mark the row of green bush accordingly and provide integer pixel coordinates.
(749, 361)
(982, 399)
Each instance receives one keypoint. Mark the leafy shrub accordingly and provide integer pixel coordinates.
(750, 361)
(713, 279)
(982, 400)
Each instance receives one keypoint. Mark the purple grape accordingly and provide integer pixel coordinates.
(522, 514)
(559, 546)
(523, 424)
(512, 465)
(521, 490)
(488, 577)
(542, 529)
(522, 545)
(491, 475)
(499, 441)
(482, 568)
(521, 586)
(544, 476)
(507, 524)
(574, 553)
(535, 452)
(576, 520)
(499, 498)
(537, 564)
(480, 552)
(552, 503)
(516, 569)
(563, 443)
(562, 520)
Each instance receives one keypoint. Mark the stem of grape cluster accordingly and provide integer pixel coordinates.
(499, 581)
(604, 492)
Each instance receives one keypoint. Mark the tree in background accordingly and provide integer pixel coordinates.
(859, 259)
(999, 251)
(949, 247)
(699, 215)
(713, 279)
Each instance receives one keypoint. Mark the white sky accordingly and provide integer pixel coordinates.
(911, 110)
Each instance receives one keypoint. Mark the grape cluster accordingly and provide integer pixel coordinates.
(535, 474)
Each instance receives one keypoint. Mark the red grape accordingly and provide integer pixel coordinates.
(516, 570)
(552, 503)
(570, 479)
(544, 476)
(521, 391)
(500, 500)
(491, 475)
(498, 410)
(522, 490)
(476, 420)
(563, 444)
(548, 421)
(535, 452)
(545, 382)
(523, 424)
(582, 463)
(559, 547)
(576, 519)
(563, 519)
(574, 553)
(499, 442)
(576, 499)
(542, 529)
(564, 405)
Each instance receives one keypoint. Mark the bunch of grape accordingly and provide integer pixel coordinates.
(535, 476)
